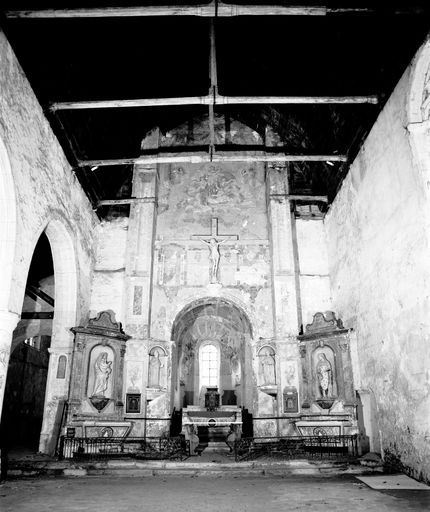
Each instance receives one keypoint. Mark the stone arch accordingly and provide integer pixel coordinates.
(7, 226)
(222, 321)
(206, 300)
(66, 279)
(65, 316)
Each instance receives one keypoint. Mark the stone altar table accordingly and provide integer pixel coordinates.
(217, 422)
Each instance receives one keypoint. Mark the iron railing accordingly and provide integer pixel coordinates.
(296, 447)
(98, 448)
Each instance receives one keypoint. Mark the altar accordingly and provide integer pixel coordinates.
(218, 424)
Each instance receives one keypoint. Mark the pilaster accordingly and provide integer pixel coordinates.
(140, 249)
(285, 293)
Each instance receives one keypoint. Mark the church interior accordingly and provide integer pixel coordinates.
(215, 223)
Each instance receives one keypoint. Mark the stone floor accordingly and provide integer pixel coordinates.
(173, 494)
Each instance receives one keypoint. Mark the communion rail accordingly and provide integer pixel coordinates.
(99, 448)
(296, 447)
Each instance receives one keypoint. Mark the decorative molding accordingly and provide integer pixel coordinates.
(324, 322)
(104, 324)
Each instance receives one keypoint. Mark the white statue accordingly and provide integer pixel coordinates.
(102, 371)
(214, 256)
(324, 376)
(155, 366)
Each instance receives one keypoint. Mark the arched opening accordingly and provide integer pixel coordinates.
(24, 399)
(212, 351)
(65, 317)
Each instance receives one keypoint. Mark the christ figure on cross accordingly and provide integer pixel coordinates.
(213, 243)
(214, 256)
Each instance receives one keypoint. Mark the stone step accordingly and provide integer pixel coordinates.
(188, 468)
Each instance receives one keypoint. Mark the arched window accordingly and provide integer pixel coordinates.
(209, 366)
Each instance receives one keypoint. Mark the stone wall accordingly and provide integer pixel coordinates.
(41, 194)
(313, 268)
(379, 267)
(109, 272)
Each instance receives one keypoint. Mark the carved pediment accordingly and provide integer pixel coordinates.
(324, 322)
(104, 324)
(105, 320)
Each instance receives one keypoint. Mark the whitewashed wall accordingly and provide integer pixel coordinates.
(380, 278)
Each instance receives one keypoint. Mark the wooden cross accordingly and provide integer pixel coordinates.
(213, 242)
(214, 233)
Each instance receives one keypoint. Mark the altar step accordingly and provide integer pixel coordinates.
(210, 464)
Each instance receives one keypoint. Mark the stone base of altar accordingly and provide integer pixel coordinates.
(100, 428)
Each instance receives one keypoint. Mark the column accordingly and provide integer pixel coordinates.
(8, 322)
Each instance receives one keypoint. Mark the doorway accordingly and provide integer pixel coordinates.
(28, 365)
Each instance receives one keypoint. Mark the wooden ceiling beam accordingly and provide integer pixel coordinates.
(32, 291)
(37, 315)
(133, 200)
(215, 99)
(203, 157)
(212, 9)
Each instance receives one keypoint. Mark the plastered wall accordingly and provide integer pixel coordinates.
(380, 278)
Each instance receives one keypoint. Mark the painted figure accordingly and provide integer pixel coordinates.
(267, 362)
(214, 256)
(324, 376)
(102, 371)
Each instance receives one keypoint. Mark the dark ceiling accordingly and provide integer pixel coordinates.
(344, 53)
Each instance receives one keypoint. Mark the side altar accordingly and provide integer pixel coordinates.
(329, 403)
(96, 407)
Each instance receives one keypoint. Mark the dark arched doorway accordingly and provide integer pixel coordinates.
(28, 364)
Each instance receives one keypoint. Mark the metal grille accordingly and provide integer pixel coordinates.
(98, 448)
(296, 447)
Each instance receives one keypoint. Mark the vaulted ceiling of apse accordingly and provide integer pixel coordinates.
(341, 49)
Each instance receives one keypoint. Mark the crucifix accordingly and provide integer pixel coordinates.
(213, 242)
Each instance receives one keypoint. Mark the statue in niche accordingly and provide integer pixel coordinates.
(324, 376)
(267, 364)
(102, 371)
(155, 365)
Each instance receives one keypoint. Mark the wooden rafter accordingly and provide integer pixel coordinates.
(35, 291)
(133, 200)
(212, 9)
(215, 99)
(37, 315)
(213, 76)
(202, 157)
(206, 10)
